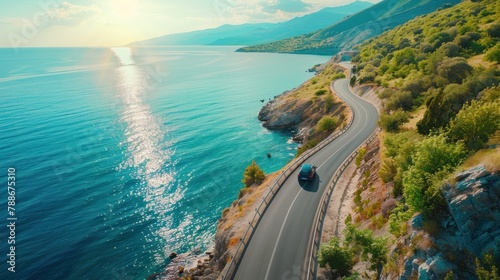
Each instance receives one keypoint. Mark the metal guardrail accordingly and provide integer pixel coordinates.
(324, 206)
(230, 270)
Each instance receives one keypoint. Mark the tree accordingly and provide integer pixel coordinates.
(417, 85)
(438, 113)
(253, 175)
(449, 49)
(352, 81)
(401, 100)
(494, 30)
(440, 38)
(338, 258)
(493, 54)
(475, 123)
(454, 69)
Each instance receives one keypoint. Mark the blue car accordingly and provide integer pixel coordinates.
(307, 172)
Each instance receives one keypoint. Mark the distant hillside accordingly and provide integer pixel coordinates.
(259, 33)
(354, 29)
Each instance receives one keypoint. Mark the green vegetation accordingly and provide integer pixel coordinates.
(340, 258)
(360, 156)
(364, 244)
(352, 81)
(438, 62)
(327, 123)
(391, 122)
(308, 145)
(329, 102)
(475, 123)
(354, 29)
(253, 175)
(398, 220)
(493, 54)
(439, 78)
(320, 92)
(434, 158)
(487, 269)
(337, 257)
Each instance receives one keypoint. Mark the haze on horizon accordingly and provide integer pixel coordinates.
(58, 23)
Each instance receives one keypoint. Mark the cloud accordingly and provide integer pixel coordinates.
(68, 13)
(241, 11)
(64, 13)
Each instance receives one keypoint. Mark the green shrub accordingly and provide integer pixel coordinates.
(493, 54)
(433, 159)
(327, 123)
(391, 122)
(454, 69)
(320, 92)
(339, 75)
(398, 220)
(400, 100)
(336, 257)
(494, 30)
(475, 123)
(360, 156)
(253, 175)
(487, 269)
(362, 241)
(328, 102)
(307, 145)
(388, 170)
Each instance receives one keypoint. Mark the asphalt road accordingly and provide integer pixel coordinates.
(279, 245)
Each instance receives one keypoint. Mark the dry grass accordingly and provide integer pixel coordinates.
(321, 81)
(414, 119)
(489, 157)
(233, 241)
(422, 241)
(237, 217)
(478, 61)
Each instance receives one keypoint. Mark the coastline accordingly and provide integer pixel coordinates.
(236, 218)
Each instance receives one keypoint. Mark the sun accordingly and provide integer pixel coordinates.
(124, 9)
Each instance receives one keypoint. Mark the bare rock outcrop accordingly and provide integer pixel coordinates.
(283, 114)
(474, 204)
(470, 229)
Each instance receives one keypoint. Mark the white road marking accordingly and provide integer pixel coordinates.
(297, 195)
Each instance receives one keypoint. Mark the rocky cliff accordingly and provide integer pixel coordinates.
(470, 229)
(300, 109)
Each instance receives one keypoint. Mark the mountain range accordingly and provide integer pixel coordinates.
(354, 29)
(259, 33)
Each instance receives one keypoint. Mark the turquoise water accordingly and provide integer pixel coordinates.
(123, 156)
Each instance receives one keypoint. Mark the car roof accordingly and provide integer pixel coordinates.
(306, 167)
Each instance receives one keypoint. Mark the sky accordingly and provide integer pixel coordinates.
(29, 23)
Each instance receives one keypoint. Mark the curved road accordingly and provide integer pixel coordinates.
(280, 242)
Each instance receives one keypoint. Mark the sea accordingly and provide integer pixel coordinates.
(121, 156)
